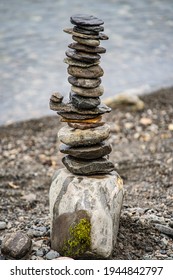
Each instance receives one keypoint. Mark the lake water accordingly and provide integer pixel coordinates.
(32, 48)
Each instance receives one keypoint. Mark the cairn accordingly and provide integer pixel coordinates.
(84, 135)
(84, 210)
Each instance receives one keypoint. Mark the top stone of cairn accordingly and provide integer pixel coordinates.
(85, 20)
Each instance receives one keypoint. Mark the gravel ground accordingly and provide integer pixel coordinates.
(143, 154)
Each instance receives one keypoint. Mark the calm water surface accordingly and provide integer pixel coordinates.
(33, 44)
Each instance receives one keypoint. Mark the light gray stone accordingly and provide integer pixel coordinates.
(100, 196)
(3, 225)
(77, 137)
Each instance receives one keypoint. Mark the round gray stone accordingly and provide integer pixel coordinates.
(91, 152)
(52, 255)
(3, 225)
(85, 83)
(88, 137)
(86, 20)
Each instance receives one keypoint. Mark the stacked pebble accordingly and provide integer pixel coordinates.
(83, 136)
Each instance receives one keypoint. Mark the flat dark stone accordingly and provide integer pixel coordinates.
(84, 31)
(85, 48)
(85, 102)
(81, 35)
(93, 28)
(85, 83)
(83, 19)
(75, 116)
(82, 56)
(90, 167)
(69, 108)
(83, 152)
(80, 63)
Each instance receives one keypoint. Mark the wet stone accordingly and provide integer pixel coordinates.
(77, 137)
(85, 83)
(90, 167)
(87, 92)
(79, 63)
(88, 42)
(85, 48)
(88, 73)
(85, 57)
(84, 102)
(83, 152)
(86, 20)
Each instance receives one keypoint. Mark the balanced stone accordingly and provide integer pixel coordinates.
(85, 83)
(88, 73)
(85, 125)
(86, 57)
(88, 42)
(83, 152)
(95, 28)
(88, 92)
(81, 35)
(91, 120)
(79, 29)
(56, 97)
(76, 117)
(77, 137)
(79, 63)
(85, 20)
(88, 167)
(84, 102)
(100, 196)
(69, 108)
(85, 48)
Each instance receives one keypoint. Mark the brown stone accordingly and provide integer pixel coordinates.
(88, 73)
(91, 120)
(56, 97)
(85, 125)
(82, 56)
(88, 42)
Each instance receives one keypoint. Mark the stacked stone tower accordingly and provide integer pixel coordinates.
(86, 196)
(84, 134)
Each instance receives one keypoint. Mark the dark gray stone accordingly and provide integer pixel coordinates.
(103, 36)
(69, 108)
(88, 73)
(16, 245)
(83, 152)
(78, 63)
(84, 31)
(81, 35)
(82, 56)
(85, 83)
(165, 229)
(95, 28)
(75, 116)
(90, 167)
(52, 255)
(85, 48)
(86, 20)
(84, 102)
(88, 42)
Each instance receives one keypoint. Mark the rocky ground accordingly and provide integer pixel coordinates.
(143, 155)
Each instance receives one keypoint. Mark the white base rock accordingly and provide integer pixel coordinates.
(100, 196)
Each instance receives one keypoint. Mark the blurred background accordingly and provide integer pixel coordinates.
(139, 53)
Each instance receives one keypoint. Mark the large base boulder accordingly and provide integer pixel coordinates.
(85, 212)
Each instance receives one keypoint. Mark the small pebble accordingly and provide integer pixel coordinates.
(52, 255)
(3, 225)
